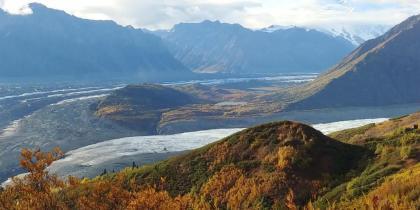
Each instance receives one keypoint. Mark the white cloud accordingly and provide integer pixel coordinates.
(251, 13)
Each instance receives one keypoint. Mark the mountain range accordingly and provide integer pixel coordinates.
(279, 165)
(212, 46)
(52, 44)
(382, 71)
(356, 34)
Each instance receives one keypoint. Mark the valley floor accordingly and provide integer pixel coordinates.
(64, 116)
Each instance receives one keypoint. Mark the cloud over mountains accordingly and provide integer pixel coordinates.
(251, 13)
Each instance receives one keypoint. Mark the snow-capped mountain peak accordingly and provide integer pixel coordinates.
(274, 28)
(356, 34)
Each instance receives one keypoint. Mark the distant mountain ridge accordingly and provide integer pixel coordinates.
(52, 44)
(357, 35)
(230, 48)
(382, 71)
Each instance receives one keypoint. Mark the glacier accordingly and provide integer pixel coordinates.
(92, 159)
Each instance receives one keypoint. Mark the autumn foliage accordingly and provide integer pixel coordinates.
(276, 166)
(37, 189)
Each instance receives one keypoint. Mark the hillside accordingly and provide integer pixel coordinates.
(382, 71)
(280, 165)
(157, 109)
(50, 44)
(255, 167)
(390, 179)
(230, 48)
(278, 156)
(140, 107)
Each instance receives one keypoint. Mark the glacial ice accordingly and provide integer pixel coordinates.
(114, 149)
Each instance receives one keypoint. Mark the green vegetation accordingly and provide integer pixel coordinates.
(394, 152)
(398, 191)
(140, 107)
(284, 165)
(348, 134)
(399, 118)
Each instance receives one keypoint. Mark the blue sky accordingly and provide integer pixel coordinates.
(162, 14)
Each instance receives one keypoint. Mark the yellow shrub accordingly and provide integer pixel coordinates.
(285, 157)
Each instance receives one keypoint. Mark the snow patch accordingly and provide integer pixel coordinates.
(79, 99)
(328, 128)
(11, 129)
(356, 34)
(282, 78)
(84, 92)
(36, 93)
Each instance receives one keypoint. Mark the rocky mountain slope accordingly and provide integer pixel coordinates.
(50, 44)
(382, 71)
(230, 48)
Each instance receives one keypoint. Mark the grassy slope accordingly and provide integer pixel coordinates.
(386, 150)
(258, 168)
(398, 191)
(397, 150)
(268, 160)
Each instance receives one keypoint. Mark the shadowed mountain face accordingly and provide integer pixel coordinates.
(382, 71)
(218, 47)
(52, 44)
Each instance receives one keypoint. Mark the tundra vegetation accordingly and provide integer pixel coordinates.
(284, 165)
